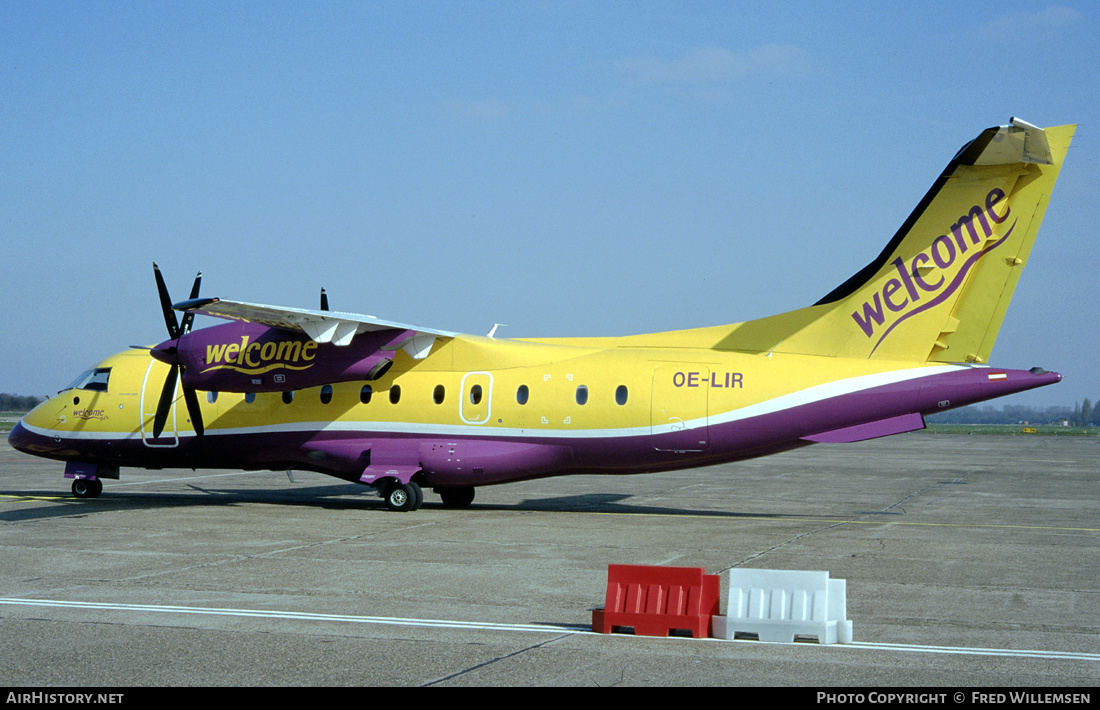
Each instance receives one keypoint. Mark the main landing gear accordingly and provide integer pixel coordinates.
(457, 497)
(87, 487)
(403, 497)
(406, 497)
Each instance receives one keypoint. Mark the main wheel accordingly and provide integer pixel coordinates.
(458, 497)
(403, 497)
(87, 488)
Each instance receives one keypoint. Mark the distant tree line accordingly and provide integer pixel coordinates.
(1085, 414)
(18, 403)
(1081, 414)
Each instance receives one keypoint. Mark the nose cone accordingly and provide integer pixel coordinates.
(20, 439)
(165, 352)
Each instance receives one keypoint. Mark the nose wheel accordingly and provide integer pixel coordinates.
(87, 488)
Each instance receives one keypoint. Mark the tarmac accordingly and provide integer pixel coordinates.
(971, 561)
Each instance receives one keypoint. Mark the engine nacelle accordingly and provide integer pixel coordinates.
(248, 357)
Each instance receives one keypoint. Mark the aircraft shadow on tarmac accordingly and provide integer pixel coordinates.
(60, 505)
(53, 504)
(618, 503)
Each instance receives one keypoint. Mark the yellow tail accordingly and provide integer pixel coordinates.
(939, 290)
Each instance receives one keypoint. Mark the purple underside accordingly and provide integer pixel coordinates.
(480, 460)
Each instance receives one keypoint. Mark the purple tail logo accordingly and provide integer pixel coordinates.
(907, 293)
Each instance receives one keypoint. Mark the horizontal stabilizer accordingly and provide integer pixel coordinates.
(870, 430)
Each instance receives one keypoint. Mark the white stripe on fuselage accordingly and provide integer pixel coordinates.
(809, 395)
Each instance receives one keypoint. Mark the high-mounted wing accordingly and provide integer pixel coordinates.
(321, 326)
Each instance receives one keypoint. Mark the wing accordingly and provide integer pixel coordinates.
(321, 326)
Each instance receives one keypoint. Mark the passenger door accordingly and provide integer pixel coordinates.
(151, 387)
(678, 412)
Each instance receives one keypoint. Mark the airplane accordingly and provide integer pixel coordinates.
(400, 408)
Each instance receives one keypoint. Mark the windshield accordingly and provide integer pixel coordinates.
(95, 379)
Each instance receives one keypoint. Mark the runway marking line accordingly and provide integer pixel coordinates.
(538, 628)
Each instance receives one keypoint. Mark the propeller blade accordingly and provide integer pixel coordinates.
(193, 409)
(166, 396)
(166, 304)
(324, 300)
(170, 356)
(189, 316)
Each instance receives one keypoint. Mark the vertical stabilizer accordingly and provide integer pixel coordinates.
(940, 288)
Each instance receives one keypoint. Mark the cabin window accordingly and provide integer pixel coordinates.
(475, 394)
(582, 394)
(365, 393)
(326, 394)
(439, 393)
(249, 397)
(395, 394)
(522, 394)
(211, 397)
(288, 396)
(620, 395)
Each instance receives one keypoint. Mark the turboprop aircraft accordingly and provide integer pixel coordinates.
(399, 407)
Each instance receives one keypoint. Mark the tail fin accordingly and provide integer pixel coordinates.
(940, 288)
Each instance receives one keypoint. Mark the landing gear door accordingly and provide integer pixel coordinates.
(678, 413)
(150, 397)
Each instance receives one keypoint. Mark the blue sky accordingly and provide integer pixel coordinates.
(567, 168)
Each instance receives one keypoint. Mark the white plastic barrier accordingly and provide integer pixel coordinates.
(777, 605)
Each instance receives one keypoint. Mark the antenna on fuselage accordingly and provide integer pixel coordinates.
(493, 331)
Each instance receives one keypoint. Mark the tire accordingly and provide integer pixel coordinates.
(87, 488)
(403, 498)
(458, 497)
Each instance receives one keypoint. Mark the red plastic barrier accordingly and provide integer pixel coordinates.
(656, 600)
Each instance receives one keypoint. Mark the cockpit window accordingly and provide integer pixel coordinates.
(95, 380)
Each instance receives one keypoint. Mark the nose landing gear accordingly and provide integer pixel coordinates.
(87, 487)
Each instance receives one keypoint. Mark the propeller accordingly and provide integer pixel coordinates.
(170, 356)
